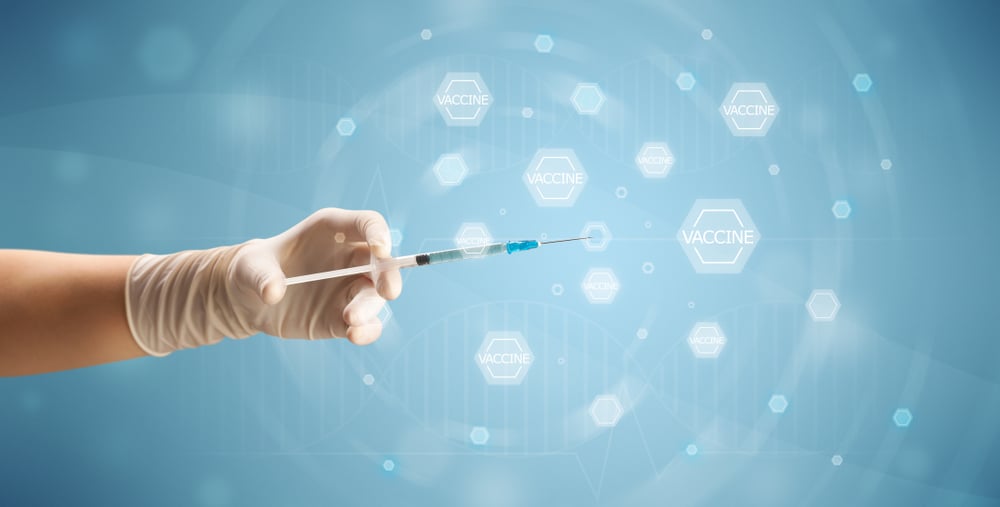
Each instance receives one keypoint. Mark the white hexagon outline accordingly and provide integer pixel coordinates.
(841, 203)
(612, 292)
(619, 411)
(655, 145)
(491, 338)
(600, 96)
(450, 157)
(482, 431)
(864, 77)
(464, 229)
(900, 412)
(544, 38)
(605, 236)
(737, 260)
(827, 293)
(555, 154)
(687, 75)
(698, 326)
(779, 399)
(765, 125)
(346, 121)
(463, 77)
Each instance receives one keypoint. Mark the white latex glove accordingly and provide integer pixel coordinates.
(198, 297)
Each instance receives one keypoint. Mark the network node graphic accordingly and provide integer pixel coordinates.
(606, 410)
(588, 98)
(600, 286)
(902, 417)
(749, 109)
(823, 305)
(841, 209)
(778, 403)
(599, 235)
(544, 43)
(479, 435)
(862, 83)
(706, 340)
(685, 81)
(450, 169)
(472, 238)
(463, 99)
(718, 236)
(555, 177)
(655, 160)
(346, 127)
(504, 357)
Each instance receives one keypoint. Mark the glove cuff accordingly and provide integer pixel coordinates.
(181, 300)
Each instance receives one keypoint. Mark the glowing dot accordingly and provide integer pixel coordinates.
(642, 333)
(368, 379)
(621, 192)
(886, 164)
(773, 169)
(557, 289)
(503, 211)
(339, 237)
(691, 450)
(527, 112)
(648, 267)
(706, 34)
(837, 460)
(388, 465)
(426, 34)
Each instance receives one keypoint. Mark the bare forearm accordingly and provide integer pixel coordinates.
(61, 311)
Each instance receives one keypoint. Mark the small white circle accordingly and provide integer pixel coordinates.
(691, 450)
(706, 34)
(648, 267)
(426, 34)
(503, 211)
(368, 379)
(886, 164)
(621, 192)
(388, 465)
(557, 289)
(837, 460)
(642, 333)
(339, 237)
(527, 112)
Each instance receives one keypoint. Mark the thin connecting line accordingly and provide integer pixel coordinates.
(561, 240)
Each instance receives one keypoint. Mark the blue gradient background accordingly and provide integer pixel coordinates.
(130, 127)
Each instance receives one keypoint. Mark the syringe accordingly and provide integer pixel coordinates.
(426, 259)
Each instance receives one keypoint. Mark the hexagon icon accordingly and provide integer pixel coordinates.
(600, 286)
(823, 305)
(504, 357)
(862, 82)
(606, 410)
(685, 81)
(718, 236)
(706, 340)
(450, 169)
(544, 43)
(473, 238)
(479, 435)
(773, 169)
(902, 417)
(778, 403)
(346, 127)
(555, 177)
(463, 99)
(749, 109)
(588, 98)
(599, 235)
(841, 209)
(655, 160)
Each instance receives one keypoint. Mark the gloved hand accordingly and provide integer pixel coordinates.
(198, 297)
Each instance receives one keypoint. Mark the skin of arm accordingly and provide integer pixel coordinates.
(60, 311)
